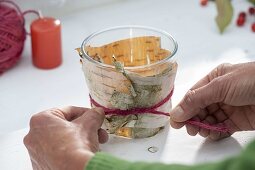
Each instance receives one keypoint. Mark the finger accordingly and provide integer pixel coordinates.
(220, 116)
(92, 119)
(35, 165)
(71, 112)
(176, 125)
(102, 136)
(216, 72)
(27, 140)
(224, 135)
(208, 120)
(204, 81)
(212, 108)
(214, 135)
(196, 100)
(232, 127)
(191, 129)
(202, 114)
(204, 132)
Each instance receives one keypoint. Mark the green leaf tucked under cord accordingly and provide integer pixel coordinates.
(252, 1)
(225, 14)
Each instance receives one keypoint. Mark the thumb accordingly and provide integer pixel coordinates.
(197, 99)
(92, 119)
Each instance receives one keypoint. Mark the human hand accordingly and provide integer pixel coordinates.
(226, 95)
(64, 138)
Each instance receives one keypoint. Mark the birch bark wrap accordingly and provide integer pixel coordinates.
(131, 86)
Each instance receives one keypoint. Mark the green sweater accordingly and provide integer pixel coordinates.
(245, 161)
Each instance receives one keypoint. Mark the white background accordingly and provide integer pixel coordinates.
(25, 90)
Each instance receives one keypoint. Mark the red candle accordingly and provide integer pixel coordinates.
(46, 43)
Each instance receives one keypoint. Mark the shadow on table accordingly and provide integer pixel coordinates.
(137, 149)
(217, 150)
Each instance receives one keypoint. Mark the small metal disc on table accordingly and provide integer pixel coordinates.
(153, 149)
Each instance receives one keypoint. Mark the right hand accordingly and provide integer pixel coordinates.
(226, 95)
(65, 138)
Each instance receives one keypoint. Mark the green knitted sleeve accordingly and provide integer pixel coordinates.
(103, 161)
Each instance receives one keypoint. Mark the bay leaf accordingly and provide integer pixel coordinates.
(225, 14)
(252, 1)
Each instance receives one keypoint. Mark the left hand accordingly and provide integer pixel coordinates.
(65, 138)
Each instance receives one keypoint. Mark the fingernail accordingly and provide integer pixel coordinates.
(99, 110)
(176, 113)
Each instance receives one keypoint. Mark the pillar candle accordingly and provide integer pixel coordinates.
(46, 43)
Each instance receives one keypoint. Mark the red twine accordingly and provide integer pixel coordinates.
(134, 110)
(219, 127)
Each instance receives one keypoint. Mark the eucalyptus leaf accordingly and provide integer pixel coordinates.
(120, 68)
(225, 14)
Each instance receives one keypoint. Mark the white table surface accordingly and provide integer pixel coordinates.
(25, 90)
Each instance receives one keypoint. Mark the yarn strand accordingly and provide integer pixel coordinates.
(217, 127)
(32, 11)
(135, 110)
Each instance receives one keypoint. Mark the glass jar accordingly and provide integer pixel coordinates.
(129, 70)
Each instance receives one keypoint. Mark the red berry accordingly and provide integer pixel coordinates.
(203, 2)
(242, 15)
(240, 21)
(253, 27)
(252, 10)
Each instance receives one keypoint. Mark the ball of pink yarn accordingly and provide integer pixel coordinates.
(12, 36)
